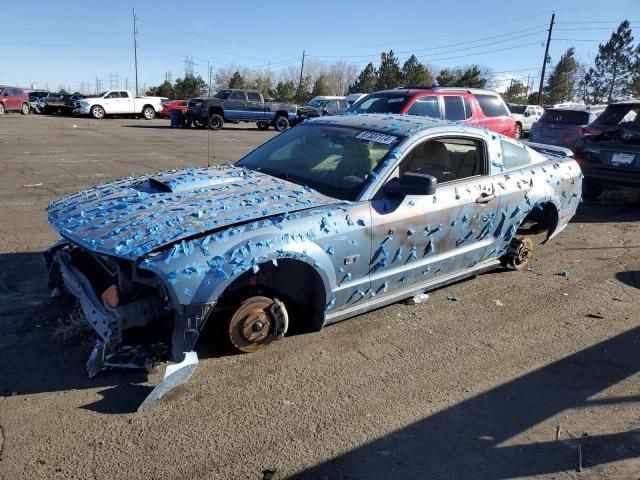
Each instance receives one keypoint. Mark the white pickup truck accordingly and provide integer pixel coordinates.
(118, 102)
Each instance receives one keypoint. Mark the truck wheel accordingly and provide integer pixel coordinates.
(97, 112)
(25, 109)
(215, 121)
(263, 125)
(148, 113)
(518, 131)
(281, 124)
(519, 253)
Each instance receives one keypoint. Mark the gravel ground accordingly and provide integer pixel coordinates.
(516, 378)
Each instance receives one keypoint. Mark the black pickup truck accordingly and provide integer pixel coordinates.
(239, 106)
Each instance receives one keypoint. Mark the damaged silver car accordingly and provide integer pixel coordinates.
(327, 220)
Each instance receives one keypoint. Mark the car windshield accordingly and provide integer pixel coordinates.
(380, 104)
(317, 103)
(517, 109)
(222, 94)
(570, 117)
(334, 160)
(620, 115)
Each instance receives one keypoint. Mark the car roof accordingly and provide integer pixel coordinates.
(327, 97)
(394, 124)
(420, 89)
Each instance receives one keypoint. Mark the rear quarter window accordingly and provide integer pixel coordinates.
(513, 155)
(425, 107)
(492, 106)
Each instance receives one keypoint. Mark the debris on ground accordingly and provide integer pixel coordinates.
(33, 185)
(73, 328)
(451, 298)
(416, 299)
(499, 303)
(594, 315)
(564, 273)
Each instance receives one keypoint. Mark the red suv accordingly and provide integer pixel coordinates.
(480, 108)
(13, 99)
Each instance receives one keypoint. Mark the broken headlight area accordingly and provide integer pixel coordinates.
(129, 310)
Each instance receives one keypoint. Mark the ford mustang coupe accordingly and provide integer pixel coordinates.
(332, 218)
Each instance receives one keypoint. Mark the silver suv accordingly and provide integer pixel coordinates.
(525, 116)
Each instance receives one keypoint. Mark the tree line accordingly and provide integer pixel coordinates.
(613, 74)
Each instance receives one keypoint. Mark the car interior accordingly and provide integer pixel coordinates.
(446, 159)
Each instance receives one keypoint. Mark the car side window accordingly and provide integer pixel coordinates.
(425, 107)
(454, 108)
(124, 94)
(113, 95)
(343, 104)
(513, 155)
(492, 106)
(254, 97)
(237, 96)
(447, 159)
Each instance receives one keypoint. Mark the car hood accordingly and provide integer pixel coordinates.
(132, 217)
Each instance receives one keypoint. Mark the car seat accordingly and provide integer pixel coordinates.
(430, 158)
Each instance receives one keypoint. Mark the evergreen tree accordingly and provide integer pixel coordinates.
(237, 81)
(191, 86)
(472, 77)
(366, 81)
(320, 87)
(415, 74)
(164, 90)
(562, 85)
(612, 73)
(389, 75)
(284, 92)
(516, 93)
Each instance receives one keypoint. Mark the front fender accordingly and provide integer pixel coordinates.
(198, 271)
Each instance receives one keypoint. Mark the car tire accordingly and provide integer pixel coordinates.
(25, 109)
(518, 134)
(263, 125)
(97, 112)
(148, 113)
(2, 109)
(281, 123)
(591, 191)
(216, 122)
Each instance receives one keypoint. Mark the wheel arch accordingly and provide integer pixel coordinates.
(545, 214)
(299, 284)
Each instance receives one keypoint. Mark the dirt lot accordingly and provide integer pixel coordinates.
(511, 381)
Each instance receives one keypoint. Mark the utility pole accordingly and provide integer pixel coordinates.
(135, 48)
(300, 81)
(546, 55)
(210, 68)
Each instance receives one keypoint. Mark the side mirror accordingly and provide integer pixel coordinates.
(526, 114)
(412, 184)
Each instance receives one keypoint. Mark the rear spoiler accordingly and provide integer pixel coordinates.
(550, 149)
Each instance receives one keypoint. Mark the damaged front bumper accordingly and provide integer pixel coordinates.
(110, 324)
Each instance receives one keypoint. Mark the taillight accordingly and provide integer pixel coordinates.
(584, 131)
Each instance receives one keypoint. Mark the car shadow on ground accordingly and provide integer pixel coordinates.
(472, 439)
(629, 277)
(612, 206)
(169, 127)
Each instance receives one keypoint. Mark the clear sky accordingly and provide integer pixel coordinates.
(71, 42)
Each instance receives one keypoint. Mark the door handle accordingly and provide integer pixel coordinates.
(484, 198)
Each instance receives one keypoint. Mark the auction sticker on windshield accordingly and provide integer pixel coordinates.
(377, 137)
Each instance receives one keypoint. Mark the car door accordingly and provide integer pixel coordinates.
(111, 103)
(12, 99)
(126, 103)
(418, 239)
(255, 106)
(496, 114)
(236, 105)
